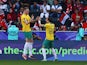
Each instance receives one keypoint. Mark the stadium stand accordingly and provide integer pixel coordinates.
(65, 14)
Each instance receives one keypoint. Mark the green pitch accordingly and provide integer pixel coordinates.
(22, 62)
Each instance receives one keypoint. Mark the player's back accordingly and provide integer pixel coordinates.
(49, 31)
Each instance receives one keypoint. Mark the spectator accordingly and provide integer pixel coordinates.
(56, 9)
(11, 16)
(84, 25)
(85, 19)
(36, 26)
(85, 9)
(3, 25)
(85, 37)
(50, 2)
(69, 7)
(19, 18)
(77, 17)
(85, 12)
(63, 4)
(4, 1)
(45, 8)
(78, 5)
(74, 27)
(11, 1)
(62, 28)
(58, 12)
(26, 1)
(0, 1)
(35, 9)
(2, 15)
(20, 13)
(3, 6)
(17, 5)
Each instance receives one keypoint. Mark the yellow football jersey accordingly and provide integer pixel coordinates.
(49, 31)
(25, 27)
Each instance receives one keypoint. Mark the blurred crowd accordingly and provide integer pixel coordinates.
(67, 15)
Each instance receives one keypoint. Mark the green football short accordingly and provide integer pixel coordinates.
(28, 35)
(48, 44)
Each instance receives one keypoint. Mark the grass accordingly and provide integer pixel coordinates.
(22, 62)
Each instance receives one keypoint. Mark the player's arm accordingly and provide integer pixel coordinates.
(40, 24)
(24, 20)
(33, 20)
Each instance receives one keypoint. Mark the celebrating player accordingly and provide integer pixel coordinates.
(26, 20)
(48, 42)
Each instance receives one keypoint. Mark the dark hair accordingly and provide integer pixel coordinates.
(50, 19)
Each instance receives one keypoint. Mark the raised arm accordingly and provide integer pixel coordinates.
(33, 20)
(39, 21)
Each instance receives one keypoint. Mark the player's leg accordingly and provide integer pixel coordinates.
(25, 47)
(44, 54)
(45, 45)
(30, 48)
(53, 50)
(30, 44)
(54, 53)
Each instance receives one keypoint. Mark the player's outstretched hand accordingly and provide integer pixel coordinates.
(37, 18)
(32, 17)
